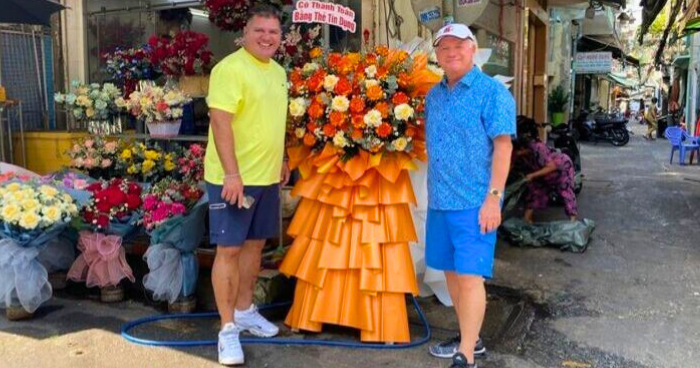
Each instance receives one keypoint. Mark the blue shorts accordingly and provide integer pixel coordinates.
(232, 226)
(454, 243)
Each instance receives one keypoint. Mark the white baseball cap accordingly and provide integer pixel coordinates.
(458, 30)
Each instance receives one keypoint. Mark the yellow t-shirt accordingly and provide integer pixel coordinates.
(256, 94)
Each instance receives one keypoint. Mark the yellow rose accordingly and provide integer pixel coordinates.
(340, 103)
(132, 169)
(13, 187)
(30, 204)
(72, 209)
(126, 154)
(10, 213)
(152, 155)
(329, 82)
(400, 144)
(29, 220)
(67, 198)
(339, 140)
(297, 107)
(169, 165)
(147, 166)
(48, 191)
(373, 118)
(299, 132)
(18, 196)
(371, 83)
(90, 112)
(52, 214)
(403, 112)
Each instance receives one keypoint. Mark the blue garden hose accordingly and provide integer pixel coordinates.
(274, 341)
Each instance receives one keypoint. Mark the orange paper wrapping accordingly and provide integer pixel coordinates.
(351, 254)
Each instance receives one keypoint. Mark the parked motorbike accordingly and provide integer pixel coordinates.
(601, 126)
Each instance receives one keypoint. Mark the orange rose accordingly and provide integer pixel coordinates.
(334, 60)
(337, 118)
(399, 98)
(403, 80)
(309, 139)
(375, 93)
(329, 130)
(370, 59)
(383, 130)
(357, 105)
(343, 87)
(411, 132)
(316, 110)
(358, 121)
(316, 52)
(311, 126)
(383, 107)
(296, 76)
(421, 107)
(382, 51)
(382, 72)
(356, 134)
(315, 82)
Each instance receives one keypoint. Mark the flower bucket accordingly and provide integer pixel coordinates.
(111, 294)
(194, 85)
(164, 129)
(183, 305)
(17, 313)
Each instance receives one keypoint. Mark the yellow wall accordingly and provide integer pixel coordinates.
(45, 150)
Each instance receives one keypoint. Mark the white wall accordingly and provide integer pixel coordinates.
(74, 43)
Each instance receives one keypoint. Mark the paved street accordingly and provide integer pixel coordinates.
(631, 301)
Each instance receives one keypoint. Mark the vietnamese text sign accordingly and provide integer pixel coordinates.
(593, 62)
(312, 11)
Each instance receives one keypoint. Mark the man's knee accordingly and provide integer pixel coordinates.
(228, 253)
(470, 282)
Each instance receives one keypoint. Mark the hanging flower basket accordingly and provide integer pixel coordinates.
(164, 129)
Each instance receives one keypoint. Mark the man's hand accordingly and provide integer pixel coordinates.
(284, 176)
(232, 191)
(490, 214)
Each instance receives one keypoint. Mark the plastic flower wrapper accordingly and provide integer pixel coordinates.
(31, 215)
(111, 215)
(174, 216)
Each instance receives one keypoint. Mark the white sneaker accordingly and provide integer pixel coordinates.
(250, 320)
(230, 350)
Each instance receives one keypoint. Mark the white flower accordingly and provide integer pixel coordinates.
(437, 70)
(329, 82)
(297, 107)
(403, 112)
(371, 82)
(339, 140)
(340, 103)
(400, 144)
(299, 132)
(373, 118)
(309, 68)
(371, 71)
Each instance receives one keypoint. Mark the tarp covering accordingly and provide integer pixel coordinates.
(566, 235)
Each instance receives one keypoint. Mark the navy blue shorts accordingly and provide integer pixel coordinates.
(454, 242)
(232, 226)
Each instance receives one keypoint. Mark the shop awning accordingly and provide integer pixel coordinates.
(681, 61)
(621, 80)
(29, 11)
(587, 43)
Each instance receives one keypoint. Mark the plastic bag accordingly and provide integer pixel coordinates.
(565, 235)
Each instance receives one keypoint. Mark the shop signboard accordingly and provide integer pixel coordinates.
(312, 11)
(593, 62)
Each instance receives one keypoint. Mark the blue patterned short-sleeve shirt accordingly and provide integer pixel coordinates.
(461, 124)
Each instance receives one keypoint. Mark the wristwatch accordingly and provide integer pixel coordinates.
(495, 192)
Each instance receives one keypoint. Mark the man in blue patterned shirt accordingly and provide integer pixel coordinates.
(470, 118)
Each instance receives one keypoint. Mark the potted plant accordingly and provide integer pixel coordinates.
(558, 99)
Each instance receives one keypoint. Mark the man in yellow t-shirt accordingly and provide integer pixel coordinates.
(243, 168)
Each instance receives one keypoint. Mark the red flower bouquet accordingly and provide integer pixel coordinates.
(184, 54)
(229, 15)
(191, 164)
(113, 201)
(167, 199)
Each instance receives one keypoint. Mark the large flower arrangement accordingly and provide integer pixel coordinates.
(357, 103)
(90, 102)
(168, 198)
(96, 156)
(184, 54)
(147, 163)
(127, 66)
(112, 201)
(191, 164)
(230, 15)
(154, 103)
(31, 215)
